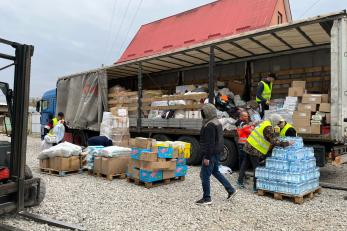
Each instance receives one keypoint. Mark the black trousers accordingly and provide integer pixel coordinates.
(254, 160)
(262, 107)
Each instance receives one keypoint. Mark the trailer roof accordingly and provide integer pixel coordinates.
(309, 34)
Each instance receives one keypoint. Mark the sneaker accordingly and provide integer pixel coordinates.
(204, 201)
(232, 194)
(240, 185)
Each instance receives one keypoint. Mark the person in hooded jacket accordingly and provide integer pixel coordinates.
(261, 140)
(211, 145)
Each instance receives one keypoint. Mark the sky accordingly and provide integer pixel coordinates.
(74, 36)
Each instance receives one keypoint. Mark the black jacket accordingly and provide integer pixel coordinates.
(211, 133)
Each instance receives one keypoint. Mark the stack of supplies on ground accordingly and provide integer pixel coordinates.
(153, 161)
(291, 170)
(92, 152)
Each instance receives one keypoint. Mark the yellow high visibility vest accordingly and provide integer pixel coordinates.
(284, 129)
(55, 121)
(257, 139)
(266, 92)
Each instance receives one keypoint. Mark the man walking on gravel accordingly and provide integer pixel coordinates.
(211, 145)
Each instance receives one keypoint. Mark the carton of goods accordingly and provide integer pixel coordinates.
(303, 130)
(65, 163)
(301, 119)
(165, 150)
(133, 173)
(136, 152)
(97, 165)
(324, 107)
(181, 161)
(119, 111)
(132, 143)
(237, 87)
(325, 98)
(161, 165)
(184, 149)
(151, 176)
(149, 156)
(307, 107)
(315, 129)
(312, 98)
(114, 165)
(134, 163)
(120, 122)
(296, 91)
(44, 163)
(168, 174)
(181, 171)
(121, 140)
(144, 143)
(301, 84)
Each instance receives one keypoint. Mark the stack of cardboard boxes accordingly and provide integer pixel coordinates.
(312, 112)
(153, 160)
(120, 127)
(111, 166)
(72, 163)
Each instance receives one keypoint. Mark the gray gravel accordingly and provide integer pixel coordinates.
(98, 204)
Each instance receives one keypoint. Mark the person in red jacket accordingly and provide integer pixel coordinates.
(244, 129)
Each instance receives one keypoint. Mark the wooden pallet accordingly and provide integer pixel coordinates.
(149, 185)
(108, 177)
(297, 199)
(60, 173)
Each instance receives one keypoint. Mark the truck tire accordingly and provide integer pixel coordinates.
(229, 157)
(161, 137)
(195, 157)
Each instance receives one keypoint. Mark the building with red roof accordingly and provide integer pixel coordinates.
(211, 21)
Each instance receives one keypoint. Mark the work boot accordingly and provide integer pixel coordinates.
(232, 194)
(204, 201)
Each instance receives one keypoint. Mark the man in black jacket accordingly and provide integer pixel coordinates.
(211, 145)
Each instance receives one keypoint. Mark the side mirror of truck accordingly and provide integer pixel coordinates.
(38, 106)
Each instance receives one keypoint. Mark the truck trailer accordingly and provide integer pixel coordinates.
(313, 50)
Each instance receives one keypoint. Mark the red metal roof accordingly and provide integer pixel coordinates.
(217, 19)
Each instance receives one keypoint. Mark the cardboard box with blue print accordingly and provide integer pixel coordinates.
(159, 165)
(181, 170)
(151, 176)
(164, 149)
(181, 161)
(136, 152)
(133, 173)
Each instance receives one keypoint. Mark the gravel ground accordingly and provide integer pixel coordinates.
(97, 204)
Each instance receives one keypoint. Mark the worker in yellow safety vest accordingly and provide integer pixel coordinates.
(264, 92)
(286, 129)
(55, 121)
(261, 140)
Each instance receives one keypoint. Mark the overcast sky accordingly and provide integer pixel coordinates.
(73, 36)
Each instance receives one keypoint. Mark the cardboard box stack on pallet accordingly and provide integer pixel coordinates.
(61, 165)
(154, 161)
(111, 167)
(313, 112)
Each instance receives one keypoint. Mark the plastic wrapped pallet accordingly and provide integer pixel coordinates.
(64, 149)
(114, 151)
(92, 152)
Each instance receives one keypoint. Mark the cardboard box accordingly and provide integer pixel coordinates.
(151, 176)
(134, 163)
(136, 152)
(181, 161)
(119, 111)
(144, 143)
(161, 165)
(324, 107)
(149, 156)
(44, 163)
(114, 165)
(315, 129)
(136, 173)
(296, 91)
(301, 84)
(307, 107)
(132, 143)
(97, 164)
(120, 122)
(312, 98)
(237, 87)
(65, 163)
(302, 114)
(325, 98)
(301, 119)
(181, 171)
(328, 118)
(303, 130)
(165, 152)
(168, 174)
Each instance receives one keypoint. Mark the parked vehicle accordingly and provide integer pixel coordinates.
(47, 108)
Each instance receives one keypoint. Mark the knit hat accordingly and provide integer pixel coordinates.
(275, 119)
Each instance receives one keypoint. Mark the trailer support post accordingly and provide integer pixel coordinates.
(211, 78)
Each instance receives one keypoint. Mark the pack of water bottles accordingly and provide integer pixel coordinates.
(291, 170)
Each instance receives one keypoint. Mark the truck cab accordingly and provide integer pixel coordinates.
(47, 108)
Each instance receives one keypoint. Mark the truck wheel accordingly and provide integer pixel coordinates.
(27, 172)
(161, 137)
(195, 157)
(229, 156)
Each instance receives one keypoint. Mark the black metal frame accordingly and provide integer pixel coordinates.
(19, 122)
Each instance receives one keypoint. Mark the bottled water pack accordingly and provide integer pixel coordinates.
(291, 170)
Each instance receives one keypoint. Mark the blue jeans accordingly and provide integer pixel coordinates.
(213, 169)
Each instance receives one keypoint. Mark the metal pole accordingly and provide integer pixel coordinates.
(211, 78)
(20, 122)
(139, 95)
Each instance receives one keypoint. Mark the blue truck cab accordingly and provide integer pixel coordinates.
(47, 108)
